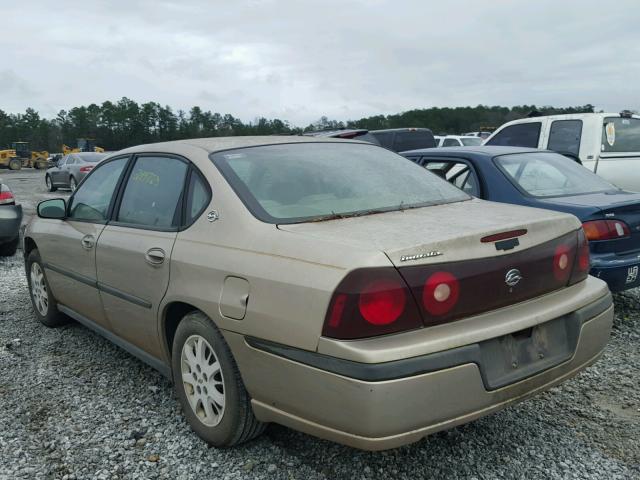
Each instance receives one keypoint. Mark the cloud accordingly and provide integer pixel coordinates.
(298, 60)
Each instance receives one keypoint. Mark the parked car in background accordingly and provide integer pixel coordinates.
(610, 217)
(605, 143)
(327, 285)
(10, 218)
(401, 139)
(71, 169)
(482, 134)
(459, 141)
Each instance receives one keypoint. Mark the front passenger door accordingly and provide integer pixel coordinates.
(134, 250)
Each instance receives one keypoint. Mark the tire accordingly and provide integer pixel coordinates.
(43, 302)
(15, 164)
(235, 422)
(9, 249)
(49, 183)
(73, 184)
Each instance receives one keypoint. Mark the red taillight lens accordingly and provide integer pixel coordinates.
(371, 302)
(583, 262)
(86, 169)
(440, 294)
(605, 229)
(382, 301)
(6, 197)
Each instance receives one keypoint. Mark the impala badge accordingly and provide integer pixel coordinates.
(513, 277)
(418, 256)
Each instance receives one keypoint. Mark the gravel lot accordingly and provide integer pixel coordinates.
(72, 405)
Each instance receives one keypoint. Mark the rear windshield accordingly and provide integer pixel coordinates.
(550, 175)
(471, 141)
(621, 134)
(91, 157)
(301, 182)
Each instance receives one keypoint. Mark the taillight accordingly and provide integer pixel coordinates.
(6, 197)
(583, 262)
(86, 169)
(370, 302)
(605, 229)
(563, 261)
(440, 294)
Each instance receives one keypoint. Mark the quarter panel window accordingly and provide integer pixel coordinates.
(565, 135)
(92, 198)
(198, 197)
(152, 194)
(519, 135)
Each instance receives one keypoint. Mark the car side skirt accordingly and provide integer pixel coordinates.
(150, 360)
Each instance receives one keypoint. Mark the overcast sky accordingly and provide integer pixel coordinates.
(298, 60)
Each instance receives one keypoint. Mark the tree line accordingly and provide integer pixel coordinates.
(121, 124)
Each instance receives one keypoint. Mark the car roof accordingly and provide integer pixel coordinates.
(217, 144)
(478, 150)
(408, 129)
(336, 132)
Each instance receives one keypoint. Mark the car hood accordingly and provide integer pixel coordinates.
(440, 233)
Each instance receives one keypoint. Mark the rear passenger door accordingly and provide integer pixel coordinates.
(134, 250)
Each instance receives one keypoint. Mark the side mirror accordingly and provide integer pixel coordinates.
(55, 208)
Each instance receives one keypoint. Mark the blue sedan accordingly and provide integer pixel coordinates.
(543, 179)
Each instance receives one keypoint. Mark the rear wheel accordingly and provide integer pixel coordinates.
(42, 300)
(9, 249)
(49, 183)
(72, 184)
(15, 164)
(208, 384)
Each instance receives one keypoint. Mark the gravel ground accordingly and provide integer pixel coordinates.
(72, 405)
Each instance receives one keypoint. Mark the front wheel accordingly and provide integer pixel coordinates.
(15, 164)
(208, 384)
(42, 300)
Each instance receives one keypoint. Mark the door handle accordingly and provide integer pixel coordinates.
(155, 256)
(88, 241)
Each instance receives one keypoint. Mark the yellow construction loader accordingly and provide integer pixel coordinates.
(84, 145)
(20, 155)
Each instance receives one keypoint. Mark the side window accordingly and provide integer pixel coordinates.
(91, 200)
(153, 192)
(197, 198)
(565, 135)
(459, 174)
(519, 135)
(450, 142)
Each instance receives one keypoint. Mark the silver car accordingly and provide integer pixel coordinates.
(71, 169)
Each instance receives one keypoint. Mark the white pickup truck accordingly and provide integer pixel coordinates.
(606, 143)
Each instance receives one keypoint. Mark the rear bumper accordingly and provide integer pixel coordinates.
(10, 219)
(397, 410)
(620, 273)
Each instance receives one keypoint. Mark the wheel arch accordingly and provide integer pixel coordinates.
(29, 245)
(172, 314)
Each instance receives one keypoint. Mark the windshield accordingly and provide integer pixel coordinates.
(471, 141)
(299, 182)
(621, 134)
(550, 175)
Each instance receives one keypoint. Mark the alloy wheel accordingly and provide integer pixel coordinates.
(39, 290)
(202, 380)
